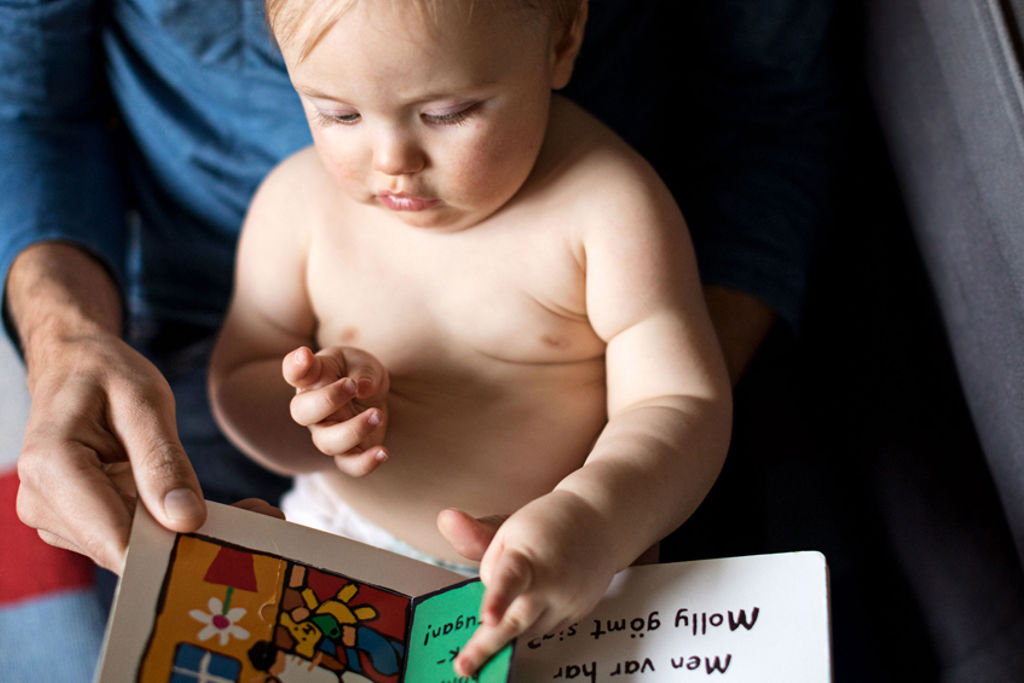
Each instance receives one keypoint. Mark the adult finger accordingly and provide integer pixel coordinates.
(143, 417)
(69, 498)
(259, 505)
(59, 542)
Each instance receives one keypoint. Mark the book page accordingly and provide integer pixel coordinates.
(441, 625)
(250, 596)
(751, 619)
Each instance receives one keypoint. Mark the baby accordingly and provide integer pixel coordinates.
(503, 302)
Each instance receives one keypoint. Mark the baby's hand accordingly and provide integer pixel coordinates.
(547, 566)
(341, 397)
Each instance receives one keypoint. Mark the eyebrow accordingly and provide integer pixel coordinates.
(428, 97)
(313, 92)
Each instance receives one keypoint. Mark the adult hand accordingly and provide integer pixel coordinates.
(546, 566)
(742, 322)
(101, 426)
(261, 506)
(341, 397)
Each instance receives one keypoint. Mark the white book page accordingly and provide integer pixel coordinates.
(739, 620)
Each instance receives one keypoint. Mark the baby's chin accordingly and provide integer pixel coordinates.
(440, 217)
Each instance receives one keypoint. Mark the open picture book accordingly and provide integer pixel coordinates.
(252, 598)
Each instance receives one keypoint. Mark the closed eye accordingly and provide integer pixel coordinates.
(454, 118)
(325, 119)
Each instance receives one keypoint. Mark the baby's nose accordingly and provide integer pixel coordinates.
(398, 153)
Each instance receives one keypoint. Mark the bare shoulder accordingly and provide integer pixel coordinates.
(294, 191)
(612, 187)
(630, 233)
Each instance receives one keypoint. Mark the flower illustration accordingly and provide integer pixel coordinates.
(220, 622)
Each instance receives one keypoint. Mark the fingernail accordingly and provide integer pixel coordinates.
(181, 505)
(349, 385)
(381, 456)
(375, 419)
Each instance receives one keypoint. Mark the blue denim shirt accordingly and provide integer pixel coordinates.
(139, 129)
(202, 92)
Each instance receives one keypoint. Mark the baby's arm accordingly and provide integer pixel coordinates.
(669, 407)
(262, 371)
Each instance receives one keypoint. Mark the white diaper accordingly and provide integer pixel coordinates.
(310, 502)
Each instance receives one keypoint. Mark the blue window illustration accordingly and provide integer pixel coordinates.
(196, 665)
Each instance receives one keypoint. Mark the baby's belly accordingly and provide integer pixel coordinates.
(484, 453)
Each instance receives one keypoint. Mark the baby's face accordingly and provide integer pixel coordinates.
(437, 125)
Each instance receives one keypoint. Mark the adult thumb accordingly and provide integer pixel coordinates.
(166, 483)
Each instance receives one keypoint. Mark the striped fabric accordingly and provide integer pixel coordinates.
(51, 620)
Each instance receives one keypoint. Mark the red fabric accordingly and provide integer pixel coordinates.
(29, 567)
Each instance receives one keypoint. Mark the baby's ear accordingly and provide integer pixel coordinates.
(565, 48)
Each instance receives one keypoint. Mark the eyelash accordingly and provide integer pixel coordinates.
(323, 119)
(457, 118)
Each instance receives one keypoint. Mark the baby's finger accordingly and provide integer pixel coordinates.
(468, 535)
(310, 407)
(343, 437)
(360, 464)
(488, 639)
(370, 376)
(506, 579)
(301, 368)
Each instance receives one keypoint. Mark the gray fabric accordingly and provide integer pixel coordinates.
(946, 79)
(14, 403)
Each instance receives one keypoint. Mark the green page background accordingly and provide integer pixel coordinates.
(441, 625)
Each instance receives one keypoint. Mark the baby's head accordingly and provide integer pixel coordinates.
(305, 22)
(435, 110)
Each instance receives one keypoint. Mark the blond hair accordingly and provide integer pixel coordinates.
(286, 17)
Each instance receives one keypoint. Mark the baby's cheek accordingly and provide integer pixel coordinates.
(342, 165)
(494, 168)
(347, 177)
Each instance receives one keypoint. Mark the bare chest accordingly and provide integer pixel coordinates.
(479, 304)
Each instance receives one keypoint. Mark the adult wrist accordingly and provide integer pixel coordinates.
(57, 293)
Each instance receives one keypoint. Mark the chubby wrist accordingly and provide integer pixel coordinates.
(589, 520)
(621, 528)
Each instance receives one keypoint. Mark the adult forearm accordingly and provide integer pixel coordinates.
(741, 321)
(56, 293)
(101, 427)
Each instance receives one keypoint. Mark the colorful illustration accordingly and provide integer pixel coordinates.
(249, 598)
(235, 602)
(232, 614)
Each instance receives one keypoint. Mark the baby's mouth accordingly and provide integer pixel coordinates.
(400, 201)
